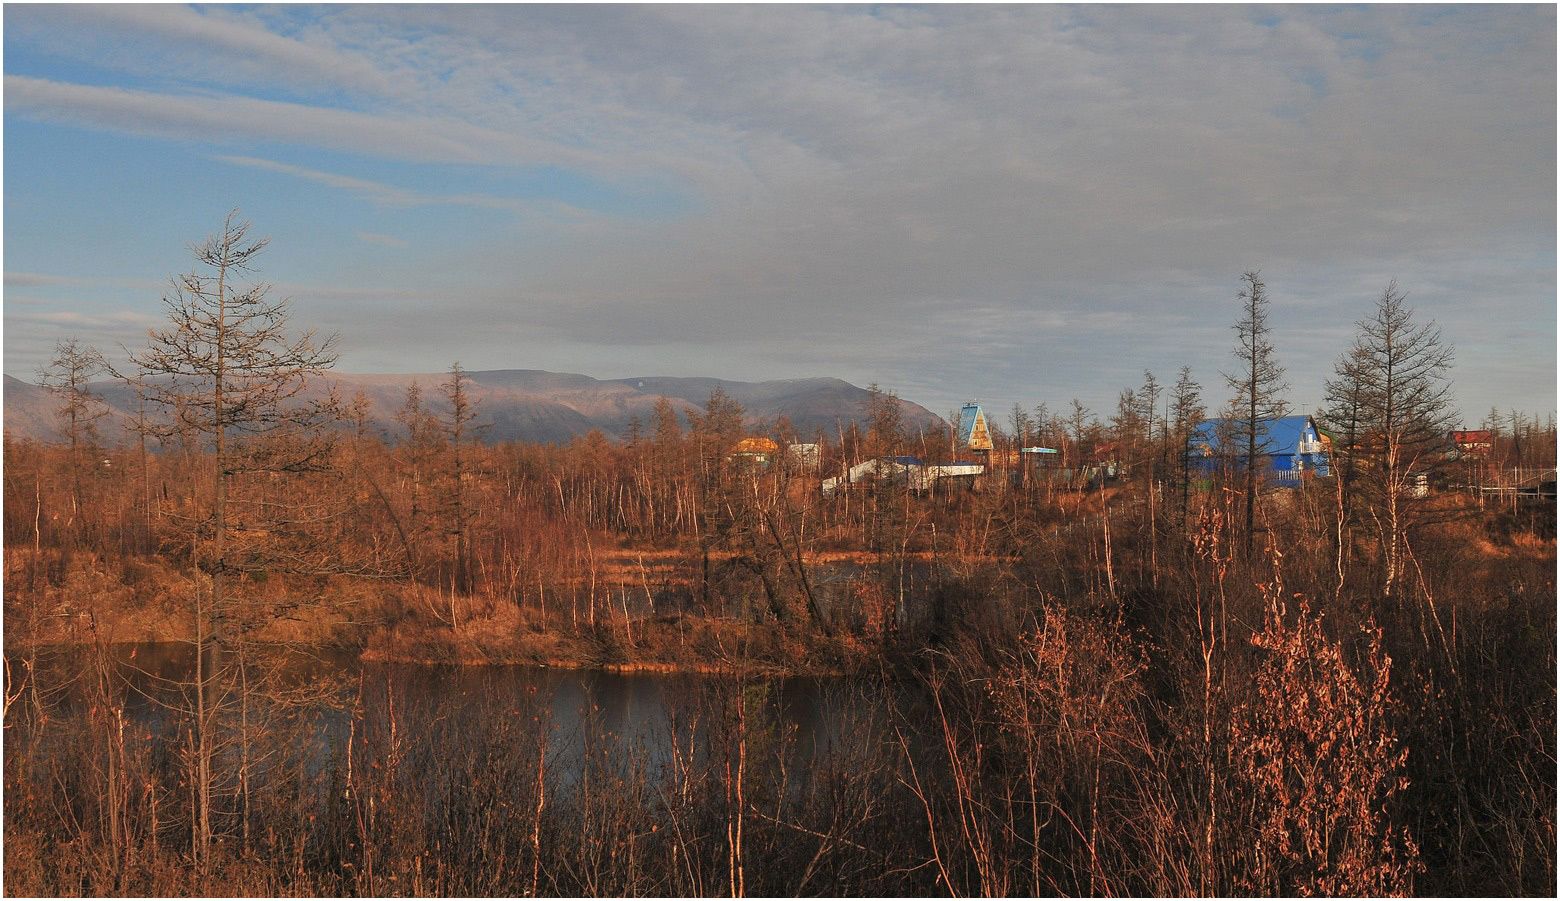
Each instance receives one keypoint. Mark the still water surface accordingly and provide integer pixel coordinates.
(634, 713)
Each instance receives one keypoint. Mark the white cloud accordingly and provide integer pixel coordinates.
(386, 195)
(381, 240)
(32, 330)
(45, 280)
(908, 189)
(225, 118)
(88, 320)
(33, 279)
(211, 45)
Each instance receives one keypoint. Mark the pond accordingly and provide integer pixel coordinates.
(333, 699)
(380, 778)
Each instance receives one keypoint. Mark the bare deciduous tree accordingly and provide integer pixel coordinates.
(1186, 411)
(233, 378)
(1344, 414)
(67, 376)
(1406, 404)
(1258, 385)
(462, 415)
(885, 422)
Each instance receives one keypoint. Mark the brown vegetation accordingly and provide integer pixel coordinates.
(1053, 686)
(1059, 716)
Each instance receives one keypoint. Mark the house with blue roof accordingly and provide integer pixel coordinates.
(1292, 445)
(973, 433)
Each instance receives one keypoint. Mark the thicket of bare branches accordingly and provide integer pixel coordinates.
(1056, 684)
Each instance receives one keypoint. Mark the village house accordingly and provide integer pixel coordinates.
(804, 456)
(1476, 443)
(756, 451)
(973, 433)
(1292, 445)
(904, 470)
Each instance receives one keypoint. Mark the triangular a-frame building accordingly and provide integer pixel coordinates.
(973, 432)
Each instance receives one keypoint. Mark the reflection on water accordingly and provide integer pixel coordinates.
(351, 778)
(450, 707)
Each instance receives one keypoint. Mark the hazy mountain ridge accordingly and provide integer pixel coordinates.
(529, 404)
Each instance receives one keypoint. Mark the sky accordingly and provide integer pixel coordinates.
(1010, 204)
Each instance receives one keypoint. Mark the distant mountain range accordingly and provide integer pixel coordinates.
(530, 404)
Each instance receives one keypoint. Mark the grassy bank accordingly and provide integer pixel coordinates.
(87, 599)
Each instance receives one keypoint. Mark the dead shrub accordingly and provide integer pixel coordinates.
(1071, 699)
(1315, 748)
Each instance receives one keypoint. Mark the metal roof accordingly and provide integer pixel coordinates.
(974, 433)
(1274, 436)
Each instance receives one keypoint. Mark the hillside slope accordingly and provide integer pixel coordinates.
(532, 404)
